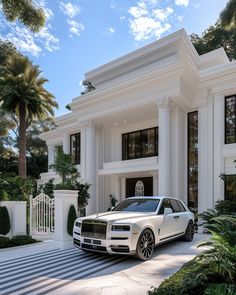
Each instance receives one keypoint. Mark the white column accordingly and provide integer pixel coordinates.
(218, 146)
(123, 189)
(91, 166)
(51, 154)
(164, 147)
(66, 143)
(63, 200)
(205, 157)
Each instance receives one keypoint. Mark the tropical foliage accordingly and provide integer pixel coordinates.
(214, 271)
(25, 11)
(215, 37)
(22, 94)
(14, 188)
(228, 15)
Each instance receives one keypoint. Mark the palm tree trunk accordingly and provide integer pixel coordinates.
(22, 142)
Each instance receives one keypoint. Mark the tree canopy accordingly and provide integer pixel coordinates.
(22, 95)
(26, 11)
(215, 37)
(228, 15)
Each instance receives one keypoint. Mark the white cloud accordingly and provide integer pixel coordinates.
(111, 30)
(148, 21)
(75, 27)
(26, 41)
(196, 5)
(122, 17)
(69, 9)
(182, 2)
(180, 18)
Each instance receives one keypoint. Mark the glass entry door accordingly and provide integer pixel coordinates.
(142, 186)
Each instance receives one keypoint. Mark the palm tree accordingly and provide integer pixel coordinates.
(22, 93)
(228, 15)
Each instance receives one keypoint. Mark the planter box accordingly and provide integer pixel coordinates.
(17, 213)
(63, 200)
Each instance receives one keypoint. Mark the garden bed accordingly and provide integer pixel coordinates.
(16, 241)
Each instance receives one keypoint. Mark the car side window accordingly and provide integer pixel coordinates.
(165, 204)
(181, 206)
(175, 205)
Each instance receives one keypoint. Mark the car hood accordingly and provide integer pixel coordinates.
(118, 216)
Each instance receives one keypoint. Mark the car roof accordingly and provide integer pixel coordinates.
(153, 197)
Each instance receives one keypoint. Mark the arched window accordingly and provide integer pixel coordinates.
(139, 188)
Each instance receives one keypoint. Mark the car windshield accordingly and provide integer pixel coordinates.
(138, 205)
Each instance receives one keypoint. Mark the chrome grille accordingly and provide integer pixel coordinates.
(94, 229)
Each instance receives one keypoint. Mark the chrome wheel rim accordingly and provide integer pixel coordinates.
(147, 244)
(190, 231)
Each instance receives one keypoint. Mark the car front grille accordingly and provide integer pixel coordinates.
(94, 229)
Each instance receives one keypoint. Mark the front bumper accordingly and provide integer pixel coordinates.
(115, 243)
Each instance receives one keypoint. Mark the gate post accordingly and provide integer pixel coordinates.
(63, 200)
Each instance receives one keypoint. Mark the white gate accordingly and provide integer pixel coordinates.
(42, 215)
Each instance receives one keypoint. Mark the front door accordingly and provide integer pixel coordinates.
(142, 186)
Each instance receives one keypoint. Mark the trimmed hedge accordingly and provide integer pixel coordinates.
(16, 241)
(176, 284)
(71, 219)
(5, 225)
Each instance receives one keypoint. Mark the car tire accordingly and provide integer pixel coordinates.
(189, 232)
(145, 245)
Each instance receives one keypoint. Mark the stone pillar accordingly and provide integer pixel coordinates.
(51, 154)
(91, 166)
(164, 147)
(63, 200)
(66, 143)
(17, 214)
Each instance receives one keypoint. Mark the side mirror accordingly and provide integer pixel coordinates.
(168, 211)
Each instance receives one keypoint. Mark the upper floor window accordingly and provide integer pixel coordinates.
(230, 119)
(140, 144)
(75, 147)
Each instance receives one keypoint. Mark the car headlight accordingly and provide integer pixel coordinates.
(78, 224)
(120, 228)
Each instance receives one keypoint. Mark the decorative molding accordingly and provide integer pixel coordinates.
(165, 104)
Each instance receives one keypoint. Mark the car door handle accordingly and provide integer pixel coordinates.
(176, 216)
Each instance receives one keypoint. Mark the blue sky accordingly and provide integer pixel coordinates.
(83, 34)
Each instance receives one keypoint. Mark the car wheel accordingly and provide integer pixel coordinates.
(189, 232)
(145, 245)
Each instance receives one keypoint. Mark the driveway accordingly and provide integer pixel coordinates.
(75, 272)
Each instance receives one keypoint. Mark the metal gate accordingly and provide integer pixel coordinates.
(42, 215)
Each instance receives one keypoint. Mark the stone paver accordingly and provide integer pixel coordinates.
(75, 272)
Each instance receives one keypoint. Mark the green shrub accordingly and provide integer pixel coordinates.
(71, 219)
(16, 241)
(174, 285)
(5, 225)
(220, 289)
(225, 207)
(4, 241)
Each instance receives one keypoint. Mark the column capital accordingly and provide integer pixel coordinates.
(165, 104)
(86, 123)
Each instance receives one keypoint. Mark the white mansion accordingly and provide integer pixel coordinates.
(162, 121)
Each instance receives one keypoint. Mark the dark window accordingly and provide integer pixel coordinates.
(230, 119)
(175, 206)
(75, 147)
(182, 209)
(138, 205)
(193, 160)
(140, 144)
(230, 187)
(165, 204)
